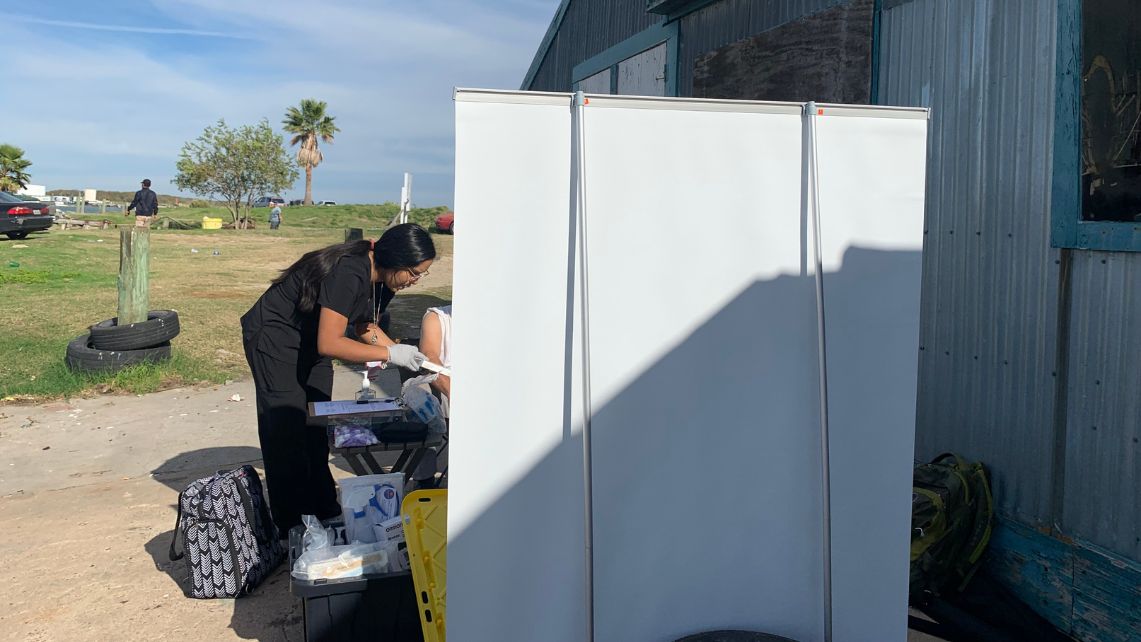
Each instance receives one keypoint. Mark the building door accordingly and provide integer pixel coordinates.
(643, 74)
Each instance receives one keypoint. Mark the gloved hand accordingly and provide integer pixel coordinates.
(406, 356)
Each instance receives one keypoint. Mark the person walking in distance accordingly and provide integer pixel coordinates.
(145, 204)
(275, 217)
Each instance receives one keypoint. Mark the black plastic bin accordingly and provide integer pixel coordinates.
(380, 608)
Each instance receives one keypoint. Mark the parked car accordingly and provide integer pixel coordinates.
(269, 201)
(297, 201)
(446, 222)
(19, 216)
(326, 203)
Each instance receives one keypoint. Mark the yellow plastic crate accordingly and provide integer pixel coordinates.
(211, 223)
(426, 532)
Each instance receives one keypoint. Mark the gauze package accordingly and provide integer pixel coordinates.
(336, 562)
(368, 501)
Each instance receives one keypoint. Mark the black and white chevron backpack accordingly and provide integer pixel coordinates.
(229, 541)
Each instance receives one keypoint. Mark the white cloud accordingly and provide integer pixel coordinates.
(117, 108)
(90, 26)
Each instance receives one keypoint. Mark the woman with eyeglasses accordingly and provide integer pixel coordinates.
(292, 334)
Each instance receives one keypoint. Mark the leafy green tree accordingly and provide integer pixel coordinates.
(235, 165)
(13, 168)
(307, 123)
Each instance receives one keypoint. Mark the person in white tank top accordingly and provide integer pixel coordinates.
(435, 343)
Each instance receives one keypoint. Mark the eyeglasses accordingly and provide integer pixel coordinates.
(416, 276)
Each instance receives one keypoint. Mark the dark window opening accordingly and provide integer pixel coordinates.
(1111, 110)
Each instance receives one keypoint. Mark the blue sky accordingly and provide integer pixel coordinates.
(109, 90)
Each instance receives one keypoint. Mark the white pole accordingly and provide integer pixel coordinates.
(406, 197)
(825, 461)
(579, 169)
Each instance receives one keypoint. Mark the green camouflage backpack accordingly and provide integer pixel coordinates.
(951, 517)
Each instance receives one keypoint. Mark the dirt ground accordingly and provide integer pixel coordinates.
(88, 493)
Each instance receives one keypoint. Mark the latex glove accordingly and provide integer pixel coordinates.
(405, 356)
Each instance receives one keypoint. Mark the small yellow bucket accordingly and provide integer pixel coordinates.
(211, 223)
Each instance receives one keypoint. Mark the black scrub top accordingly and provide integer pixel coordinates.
(283, 332)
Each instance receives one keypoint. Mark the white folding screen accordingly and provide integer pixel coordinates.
(516, 568)
(703, 372)
(872, 172)
(704, 368)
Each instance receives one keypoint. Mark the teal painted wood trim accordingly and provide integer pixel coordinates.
(1037, 568)
(1067, 229)
(545, 45)
(1087, 592)
(632, 46)
(687, 8)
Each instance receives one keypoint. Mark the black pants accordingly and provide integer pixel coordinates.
(295, 454)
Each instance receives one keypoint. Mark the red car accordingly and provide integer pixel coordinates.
(446, 222)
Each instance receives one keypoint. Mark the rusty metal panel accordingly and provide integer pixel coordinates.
(589, 27)
(990, 283)
(728, 21)
(1103, 449)
(825, 56)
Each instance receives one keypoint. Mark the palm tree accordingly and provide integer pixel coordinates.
(13, 168)
(308, 123)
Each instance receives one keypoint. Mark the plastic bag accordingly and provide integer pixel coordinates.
(316, 535)
(337, 562)
(422, 404)
(352, 434)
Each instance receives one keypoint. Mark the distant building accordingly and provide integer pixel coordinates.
(38, 191)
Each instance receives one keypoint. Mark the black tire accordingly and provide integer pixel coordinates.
(16, 236)
(160, 327)
(82, 357)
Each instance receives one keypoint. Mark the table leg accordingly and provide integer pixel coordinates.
(417, 455)
(402, 459)
(355, 463)
(372, 463)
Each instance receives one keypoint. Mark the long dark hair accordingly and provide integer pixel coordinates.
(402, 246)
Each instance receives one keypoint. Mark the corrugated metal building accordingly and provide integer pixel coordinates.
(1030, 356)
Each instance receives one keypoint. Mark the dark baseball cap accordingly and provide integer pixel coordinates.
(146, 182)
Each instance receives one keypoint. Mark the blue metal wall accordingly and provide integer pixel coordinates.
(990, 317)
(1103, 453)
(589, 27)
(989, 311)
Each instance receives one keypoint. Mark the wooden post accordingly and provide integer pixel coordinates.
(134, 274)
(353, 234)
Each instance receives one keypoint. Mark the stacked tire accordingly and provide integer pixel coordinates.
(109, 347)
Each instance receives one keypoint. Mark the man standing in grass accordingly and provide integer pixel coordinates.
(275, 217)
(145, 204)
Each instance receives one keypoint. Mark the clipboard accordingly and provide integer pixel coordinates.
(352, 408)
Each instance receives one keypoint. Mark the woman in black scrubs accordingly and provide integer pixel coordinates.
(291, 336)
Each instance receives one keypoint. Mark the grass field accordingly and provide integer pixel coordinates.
(64, 281)
(371, 217)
